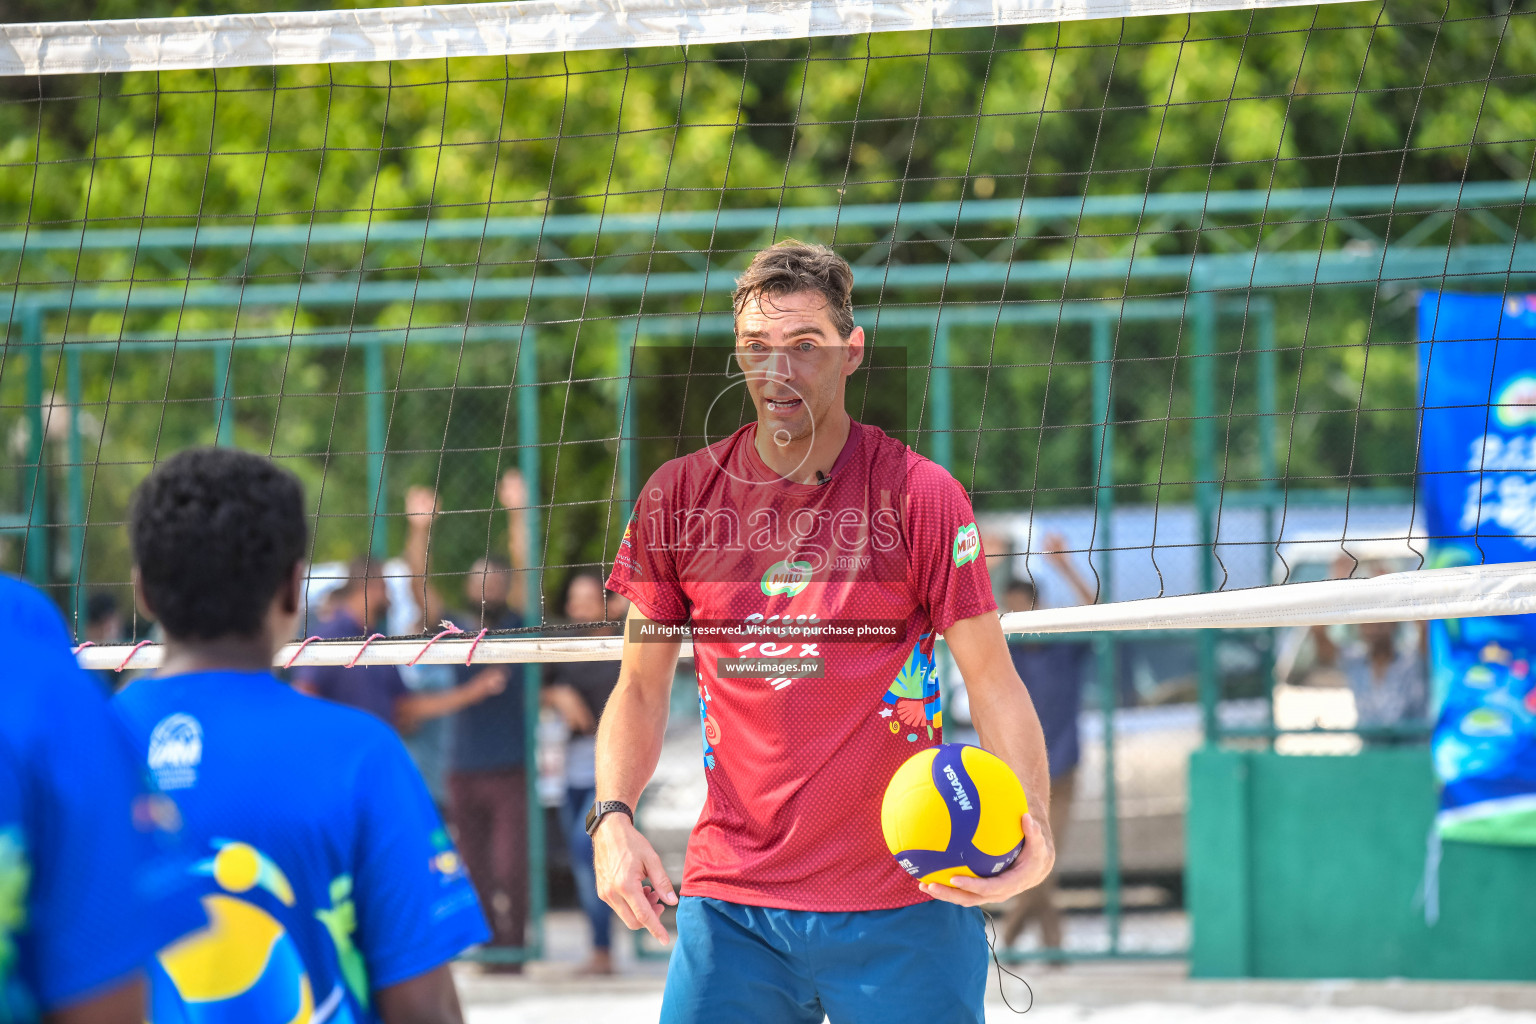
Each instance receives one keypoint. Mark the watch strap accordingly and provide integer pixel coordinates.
(602, 808)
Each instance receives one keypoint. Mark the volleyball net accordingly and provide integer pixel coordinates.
(1148, 278)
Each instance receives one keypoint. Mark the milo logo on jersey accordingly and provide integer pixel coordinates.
(967, 545)
(786, 578)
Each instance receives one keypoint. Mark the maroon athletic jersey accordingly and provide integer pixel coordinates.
(813, 609)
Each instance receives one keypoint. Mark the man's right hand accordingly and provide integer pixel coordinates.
(624, 861)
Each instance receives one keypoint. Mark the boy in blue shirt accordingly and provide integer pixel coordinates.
(332, 891)
(77, 916)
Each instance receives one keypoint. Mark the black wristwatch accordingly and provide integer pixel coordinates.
(602, 808)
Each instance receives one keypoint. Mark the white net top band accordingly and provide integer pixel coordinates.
(1506, 589)
(530, 26)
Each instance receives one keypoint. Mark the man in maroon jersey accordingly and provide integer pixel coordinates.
(815, 560)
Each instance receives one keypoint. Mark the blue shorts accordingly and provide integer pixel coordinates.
(745, 964)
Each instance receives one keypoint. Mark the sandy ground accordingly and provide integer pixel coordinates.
(1099, 992)
(634, 1009)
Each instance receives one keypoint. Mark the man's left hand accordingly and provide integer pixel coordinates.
(1034, 863)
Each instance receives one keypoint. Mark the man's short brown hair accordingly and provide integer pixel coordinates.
(791, 266)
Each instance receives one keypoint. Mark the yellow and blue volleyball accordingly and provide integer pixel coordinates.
(954, 810)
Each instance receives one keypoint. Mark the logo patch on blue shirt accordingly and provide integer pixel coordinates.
(175, 751)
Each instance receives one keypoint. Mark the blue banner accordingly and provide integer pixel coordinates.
(1477, 484)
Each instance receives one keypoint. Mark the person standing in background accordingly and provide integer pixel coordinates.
(428, 742)
(1053, 673)
(1388, 678)
(487, 743)
(104, 626)
(578, 690)
(355, 607)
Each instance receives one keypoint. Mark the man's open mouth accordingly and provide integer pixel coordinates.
(783, 404)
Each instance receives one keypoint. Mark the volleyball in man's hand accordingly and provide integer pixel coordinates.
(954, 810)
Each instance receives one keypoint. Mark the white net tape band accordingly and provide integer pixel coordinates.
(531, 26)
(1506, 589)
(1503, 589)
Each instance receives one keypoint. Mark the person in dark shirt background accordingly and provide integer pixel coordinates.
(1053, 674)
(578, 690)
(487, 743)
(104, 626)
(353, 609)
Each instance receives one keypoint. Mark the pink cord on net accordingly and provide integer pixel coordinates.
(136, 648)
(295, 656)
(83, 645)
(478, 637)
(363, 648)
(448, 628)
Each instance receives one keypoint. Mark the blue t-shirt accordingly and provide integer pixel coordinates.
(1053, 674)
(323, 866)
(78, 904)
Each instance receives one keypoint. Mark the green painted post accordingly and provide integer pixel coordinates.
(941, 382)
(1104, 646)
(223, 415)
(373, 384)
(35, 549)
(74, 488)
(1219, 867)
(1269, 372)
(1204, 386)
(527, 380)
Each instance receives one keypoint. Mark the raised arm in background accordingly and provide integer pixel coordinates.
(512, 493)
(411, 711)
(420, 513)
(1055, 548)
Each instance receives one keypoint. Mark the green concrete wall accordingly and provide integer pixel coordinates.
(1312, 867)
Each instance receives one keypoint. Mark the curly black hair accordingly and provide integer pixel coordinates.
(215, 532)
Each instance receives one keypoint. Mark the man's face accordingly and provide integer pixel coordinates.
(1378, 633)
(377, 594)
(585, 601)
(795, 362)
(1017, 599)
(105, 630)
(487, 584)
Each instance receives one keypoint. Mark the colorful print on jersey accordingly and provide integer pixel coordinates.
(446, 863)
(341, 924)
(710, 727)
(244, 965)
(626, 552)
(913, 698)
(15, 881)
